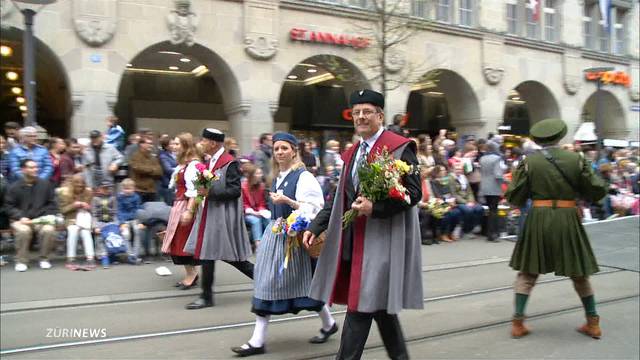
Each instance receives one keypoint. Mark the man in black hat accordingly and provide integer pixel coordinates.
(380, 279)
(219, 231)
(553, 239)
(101, 160)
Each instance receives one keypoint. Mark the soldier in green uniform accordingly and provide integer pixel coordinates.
(553, 239)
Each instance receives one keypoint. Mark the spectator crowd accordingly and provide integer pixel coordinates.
(114, 192)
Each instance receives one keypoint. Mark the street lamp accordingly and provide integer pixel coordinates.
(598, 115)
(29, 63)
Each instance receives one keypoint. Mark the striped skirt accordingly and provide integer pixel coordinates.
(278, 290)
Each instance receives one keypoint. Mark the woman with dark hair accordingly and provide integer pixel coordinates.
(307, 158)
(442, 187)
(75, 205)
(167, 158)
(255, 203)
(181, 216)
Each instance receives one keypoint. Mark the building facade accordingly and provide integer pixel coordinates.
(257, 66)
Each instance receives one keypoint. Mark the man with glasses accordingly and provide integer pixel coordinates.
(374, 265)
(29, 149)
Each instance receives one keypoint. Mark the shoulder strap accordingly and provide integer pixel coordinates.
(547, 155)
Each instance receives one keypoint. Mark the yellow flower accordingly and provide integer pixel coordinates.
(402, 166)
(292, 218)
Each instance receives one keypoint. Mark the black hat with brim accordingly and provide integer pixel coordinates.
(213, 134)
(366, 96)
(548, 131)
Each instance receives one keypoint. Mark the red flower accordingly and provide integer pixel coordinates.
(396, 194)
(201, 167)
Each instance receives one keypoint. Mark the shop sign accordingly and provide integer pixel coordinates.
(354, 41)
(609, 77)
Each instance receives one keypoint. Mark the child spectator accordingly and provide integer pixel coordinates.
(129, 203)
(110, 241)
(75, 204)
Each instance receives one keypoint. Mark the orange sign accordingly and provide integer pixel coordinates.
(610, 77)
(346, 115)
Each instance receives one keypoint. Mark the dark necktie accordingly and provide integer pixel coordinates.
(361, 160)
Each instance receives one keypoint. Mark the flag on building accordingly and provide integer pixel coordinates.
(534, 5)
(605, 13)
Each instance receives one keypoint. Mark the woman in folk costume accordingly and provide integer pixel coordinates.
(374, 266)
(553, 239)
(181, 216)
(279, 290)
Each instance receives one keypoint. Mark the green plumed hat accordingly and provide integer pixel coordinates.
(548, 131)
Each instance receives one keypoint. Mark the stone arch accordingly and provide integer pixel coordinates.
(206, 88)
(527, 103)
(442, 99)
(613, 122)
(53, 94)
(314, 97)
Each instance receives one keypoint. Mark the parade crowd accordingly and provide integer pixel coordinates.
(132, 198)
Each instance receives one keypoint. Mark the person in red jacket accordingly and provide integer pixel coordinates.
(254, 203)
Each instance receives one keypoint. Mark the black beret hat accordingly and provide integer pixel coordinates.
(548, 131)
(366, 96)
(284, 136)
(213, 134)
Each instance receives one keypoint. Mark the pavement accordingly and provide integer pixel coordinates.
(129, 312)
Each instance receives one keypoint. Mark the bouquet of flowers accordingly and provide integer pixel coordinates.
(292, 227)
(204, 178)
(381, 179)
(438, 208)
(47, 220)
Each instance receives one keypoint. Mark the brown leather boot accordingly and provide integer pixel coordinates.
(518, 329)
(591, 327)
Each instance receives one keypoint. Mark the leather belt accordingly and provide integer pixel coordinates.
(555, 203)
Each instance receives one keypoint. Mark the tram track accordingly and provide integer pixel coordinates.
(236, 325)
(102, 300)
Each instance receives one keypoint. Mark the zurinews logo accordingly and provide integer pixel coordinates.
(76, 333)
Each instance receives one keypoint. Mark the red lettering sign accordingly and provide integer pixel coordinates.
(357, 42)
(610, 77)
(346, 114)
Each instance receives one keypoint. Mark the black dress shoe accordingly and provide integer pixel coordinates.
(178, 284)
(324, 335)
(199, 303)
(250, 350)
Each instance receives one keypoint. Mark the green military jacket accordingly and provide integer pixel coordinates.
(553, 240)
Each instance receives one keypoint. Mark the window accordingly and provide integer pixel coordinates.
(512, 19)
(443, 10)
(359, 3)
(466, 12)
(620, 32)
(550, 20)
(603, 37)
(532, 24)
(419, 8)
(587, 26)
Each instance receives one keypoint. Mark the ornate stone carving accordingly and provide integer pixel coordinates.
(395, 61)
(261, 19)
(634, 94)
(492, 54)
(572, 84)
(95, 21)
(493, 75)
(182, 23)
(259, 47)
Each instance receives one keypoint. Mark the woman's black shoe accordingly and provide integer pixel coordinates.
(187, 287)
(250, 350)
(324, 335)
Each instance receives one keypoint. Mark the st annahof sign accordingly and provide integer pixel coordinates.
(610, 77)
(354, 41)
